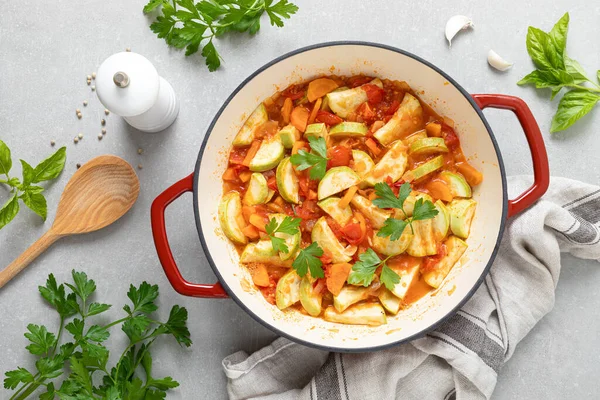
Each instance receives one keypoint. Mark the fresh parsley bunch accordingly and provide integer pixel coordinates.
(363, 271)
(25, 189)
(556, 70)
(288, 226)
(85, 356)
(189, 25)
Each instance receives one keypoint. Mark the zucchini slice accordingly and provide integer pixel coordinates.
(455, 248)
(441, 222)
(426, 168)
(371, 314)
(287, 292)
(462, 212)
(336, 180)
(390, 302)
(331, 207)
(423, 243)
(289, 135)
(415, 136)
(292, 241)
(324, 236)
(409, 204)
(230, 217)
(362, 163)
(376, 215)
(407, 277)
(350, 295)
(407, 119)
(316, 130)
(389, 247)
(430, 145)
(392, 164)
(310, 300)
(349, 129)
(287, 181)
(458, 185)
(262, 252)
(343, 102)
(258, 191)
(245, 136)
(269, 154)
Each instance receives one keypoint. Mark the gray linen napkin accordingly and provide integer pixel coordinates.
(461, 359)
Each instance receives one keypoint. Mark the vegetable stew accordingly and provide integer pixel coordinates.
(348, 198)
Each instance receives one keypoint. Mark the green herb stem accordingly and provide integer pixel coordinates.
(116, 322)
(586, 87)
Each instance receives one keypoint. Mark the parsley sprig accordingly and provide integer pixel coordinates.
(85, 354)
(288, 226)
(386, 198)
(308, 260)
(189, 25)
(316, 160)
(363, 271)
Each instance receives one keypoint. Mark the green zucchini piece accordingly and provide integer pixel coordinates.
(376, 215)
(407, 119)
(426, 168)
(246, 134)
(350, 295)
(310, 300)
(289, 135)
(389, 247)
(337, 179)
(324, 236)
(371, 314)
(441, 222)
(458, 185)
(415, 136)
(430, 145)
(423, 243)
(331, 207)
(292, 241)
(262, 252)
(287, 292)
(462, 212)
(392, 164)
(316, 130)
(362, 163)
(287, 181)
(349, 129)
(407, 277)
(343, 102)
(409, 204)
(455, 248)
(230, 216)
(390, 302)
(258, 191)
(269, 154)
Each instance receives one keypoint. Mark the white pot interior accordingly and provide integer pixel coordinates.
(446, 99)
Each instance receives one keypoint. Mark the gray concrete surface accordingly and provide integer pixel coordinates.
(47, 48)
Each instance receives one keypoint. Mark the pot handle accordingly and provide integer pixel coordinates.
(159, 232)
(541, 169)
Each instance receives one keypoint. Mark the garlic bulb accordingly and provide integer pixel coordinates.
(498, 62)
(455, 25)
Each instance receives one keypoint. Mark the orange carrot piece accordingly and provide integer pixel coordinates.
(299, 144)
(343, 203)
(315, 109)
(259, 274)
(438, 189)
(245, 176)
(286, 110)
(258, 222)
(275, 207)
(312, 195)
(251, 152)
(319, 88)
(370, 143)
(250, 231)
(299, 118)
(337, 275)
(229, 175)
(433, 129)
(472, 176)
(248, 211)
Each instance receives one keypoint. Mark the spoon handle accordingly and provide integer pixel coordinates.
(28, 256)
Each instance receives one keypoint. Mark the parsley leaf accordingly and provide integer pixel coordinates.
(142, 298)
(41, 340)
(386, 197)
(393, 228)
(56, 296)
(423, 210)
(316, 160)
(14, 377)
(388, 277)
(307, 259)
(363, 271)
(287, 226)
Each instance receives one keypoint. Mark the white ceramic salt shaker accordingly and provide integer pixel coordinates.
(128, 85)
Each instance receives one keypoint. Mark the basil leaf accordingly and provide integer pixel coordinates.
(36, 202)
(551, 78)
(28, 173)
(575, 70)
(5, 160)
(540, 47)
(9, 211)
(598, 75)
(51, 167)
(559, 35)
(574, 105)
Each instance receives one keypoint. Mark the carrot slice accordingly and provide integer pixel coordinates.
(315, 110)
(319, 88)
(472, 176)
(337, 275)
(251, 153)
(248, 211)
(299, 118)
(297, 146)
(343, 203)
(259, 274)
(245, 176)
(286, 110)
(439, 189)
(373, 146)
(434, 129)
(258, 222)
(250, 231)
(229, 175)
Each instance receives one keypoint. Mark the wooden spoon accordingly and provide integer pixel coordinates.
(98, 194)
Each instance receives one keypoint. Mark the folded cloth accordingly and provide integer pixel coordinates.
(460, 359)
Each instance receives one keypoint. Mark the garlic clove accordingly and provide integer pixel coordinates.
(455, 25)
(498, 62)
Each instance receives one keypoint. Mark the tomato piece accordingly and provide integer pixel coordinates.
(358, 80)
(293, 92)
(338, 156)
(429, 262)
(326, 258)
(335, 227)
(374, 93)
(365, 111)
(308, 210)
(450, 137)
(353, 233)
(328, 118)
(272, 183)
(393, 108)
(237, 156)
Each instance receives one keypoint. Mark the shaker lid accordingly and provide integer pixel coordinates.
(127, 84)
